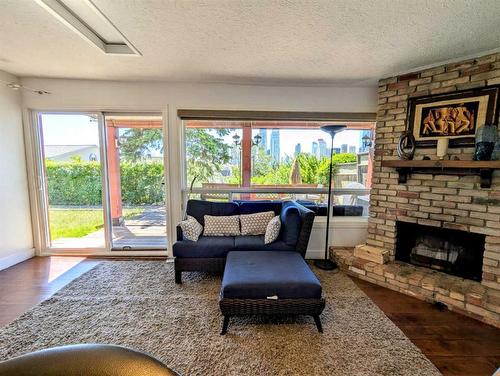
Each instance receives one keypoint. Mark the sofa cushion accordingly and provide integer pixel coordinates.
(191, 229)
(206, 246)
(290, 225)
(256, 243)
(199, 208)
(255, 224)
(273, 230)
(250, 207)
(258, 275)
(222, 225)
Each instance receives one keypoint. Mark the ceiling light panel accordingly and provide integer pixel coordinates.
(85, 19)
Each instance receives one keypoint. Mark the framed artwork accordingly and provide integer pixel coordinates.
(455, 116)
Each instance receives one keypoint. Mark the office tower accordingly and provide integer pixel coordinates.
(263, 139)
(298, 148)
(275, 145)
(336, 150)
(352, 149)
(314, 149)
(323, 152)
(344, 148)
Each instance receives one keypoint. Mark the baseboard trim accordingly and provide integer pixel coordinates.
(16, 257)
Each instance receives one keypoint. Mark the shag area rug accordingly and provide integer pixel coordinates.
(138, 305)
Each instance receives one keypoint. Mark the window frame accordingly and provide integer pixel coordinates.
(228, 115)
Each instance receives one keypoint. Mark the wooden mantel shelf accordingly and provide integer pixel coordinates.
(482, 168)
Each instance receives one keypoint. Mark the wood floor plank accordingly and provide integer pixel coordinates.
(459, 347)
(462, 365)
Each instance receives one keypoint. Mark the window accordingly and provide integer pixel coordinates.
(213, 153)
(249, 157)
(72, 172)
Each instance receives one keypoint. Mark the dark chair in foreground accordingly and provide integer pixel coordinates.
(88, 360)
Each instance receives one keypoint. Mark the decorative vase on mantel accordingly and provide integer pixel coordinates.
(495, 156)
(486, 137)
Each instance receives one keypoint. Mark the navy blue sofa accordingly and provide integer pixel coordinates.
(209, 252)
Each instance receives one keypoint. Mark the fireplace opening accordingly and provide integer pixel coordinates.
(455, 252)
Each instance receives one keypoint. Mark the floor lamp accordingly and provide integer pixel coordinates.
(326, 263)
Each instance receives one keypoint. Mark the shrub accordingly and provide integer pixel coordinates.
(79, 183)
(74, 183)
(142, 183)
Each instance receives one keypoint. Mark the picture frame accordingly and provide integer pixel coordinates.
(455, 116)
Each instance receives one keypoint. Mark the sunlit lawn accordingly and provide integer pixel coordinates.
(76, 223)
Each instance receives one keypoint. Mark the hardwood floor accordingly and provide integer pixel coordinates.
(457, 345)
(26, 284)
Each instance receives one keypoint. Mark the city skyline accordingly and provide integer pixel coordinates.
(279, 147)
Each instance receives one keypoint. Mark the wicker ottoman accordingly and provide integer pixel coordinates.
(269, 283)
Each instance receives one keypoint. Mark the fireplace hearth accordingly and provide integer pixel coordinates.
(458, 253)
(434, 225)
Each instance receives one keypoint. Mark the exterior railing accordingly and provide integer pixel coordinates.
(256, 189)
(355, 196)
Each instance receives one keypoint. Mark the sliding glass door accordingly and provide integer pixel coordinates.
(136, 181)
(72, 176)
(101, 181)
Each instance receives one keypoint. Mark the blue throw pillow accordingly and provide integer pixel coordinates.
(290, 224)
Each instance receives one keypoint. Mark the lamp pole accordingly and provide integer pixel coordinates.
(326, 263)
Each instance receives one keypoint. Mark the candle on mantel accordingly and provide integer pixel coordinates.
(442, 147)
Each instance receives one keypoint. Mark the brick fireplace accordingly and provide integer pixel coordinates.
(439, 201)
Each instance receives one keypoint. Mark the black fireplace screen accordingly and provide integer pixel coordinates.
(454, 252)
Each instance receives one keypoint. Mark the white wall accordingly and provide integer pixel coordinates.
(168, 97)
(16, 243)
(344, 232)
(114, 95)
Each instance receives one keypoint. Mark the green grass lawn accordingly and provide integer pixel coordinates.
(76, 223)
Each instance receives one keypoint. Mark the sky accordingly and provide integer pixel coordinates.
(69, 129)
(64, 129)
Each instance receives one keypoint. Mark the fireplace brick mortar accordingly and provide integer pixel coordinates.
(447, 201)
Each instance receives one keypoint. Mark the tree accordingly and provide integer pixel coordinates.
(206, 153)
(313, 170)
(262, 162)
(279, 175)
(137, 143)
(344, 158)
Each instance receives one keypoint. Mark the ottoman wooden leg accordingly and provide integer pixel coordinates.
(318, 323)
(178, 276)
(225, 324)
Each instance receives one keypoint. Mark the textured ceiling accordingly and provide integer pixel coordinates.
(308, 42)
